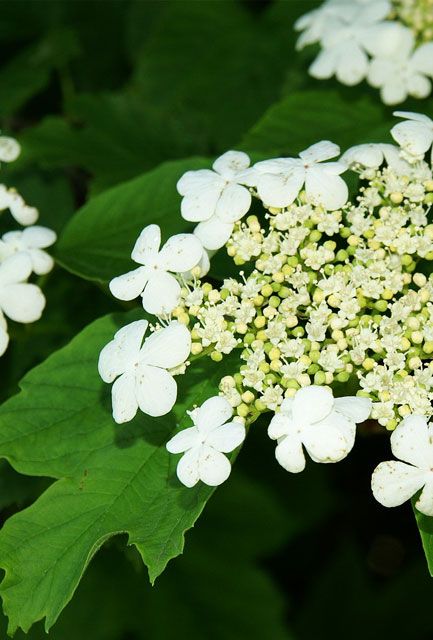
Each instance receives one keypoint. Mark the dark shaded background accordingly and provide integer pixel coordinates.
(98, 92)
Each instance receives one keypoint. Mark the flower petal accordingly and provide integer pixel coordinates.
(411, 443)
(187, 468)
(395, 482)
(123, 398)
(424, 504)
(323, 67)
(42, 262)
(38, 237)
(289, 454)
(324, 189)
(147, 245)
(422, 58)
(367, 155)
(15, 268)
(231, 163)
(4, 336)
(280, 425)
(311, 404)
(180, 253)
(380, 71)
(196, 180)
(281, 190)
(156, 390)
(227, 437)
(184, 440)
(353, 67)
(418, 86)
(324, 150)
(161, 293)
(129, 285)
(213, 413)
(414, 136)
(168, 347)
(234, 203)
(325, 442)
(214, 467)
(119, 354)
(200, 205)
(213, 233)
(22, 302)
(9, 149)
(357, 409)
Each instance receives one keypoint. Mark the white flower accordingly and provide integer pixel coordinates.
(203, 445)
(414, 135)
(31, 241)
(372, 156)
(216, 198)
(404, 70)
(10, 199)
(316, 23)
(141, 370)
(325, 426)
(279, 181)
(19, 300)
(9, 149)
(159, 289)
(394, 482)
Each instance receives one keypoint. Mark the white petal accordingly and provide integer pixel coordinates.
(168, 347)
(184, 440)
(281, 190)
(9, 149)
(129, 285)
(324, 189)
(374, 10)
(196, 180)
(38, 237)
(156, 390)
(42, 262)
(280, 425)
(387, 40)
(415, 137)
(424, 504)
(180, 253)
(123, 351)
(419, 86)
(392, 156)
(15, 268)
(422, 58)
(352, 68)
(214, 233)
(357, 409)
(213, 413)
(214, 467)
(324, 65)
(290, 455)
(416, 117)
(161, 294)
(395, 482)
(227, 437)
(4, 336)
(231, 163)
(22, 302)
(147, 245)
(410, 442)
(125, 404)
(311, 404)
(367, 155)
(326, 442)
(380, 71)
(234, 203)
(22, 213)
(320, 151)
(187, 468)
(200, 205)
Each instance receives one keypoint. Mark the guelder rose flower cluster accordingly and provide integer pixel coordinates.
(327, 324)
(389, 43)
(22, 253)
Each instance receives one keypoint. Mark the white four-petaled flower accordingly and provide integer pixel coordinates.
(279, 181)
(216, 199)
(394, 482)
(154, 279)
(30, 241)
(314, 419)
(204, 445)
(414, 135)
(141, 370)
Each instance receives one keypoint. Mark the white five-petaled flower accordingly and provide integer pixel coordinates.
(204, 445)
(30, 241)
(216, 199)
(279, 181)
(404, 70)
(373, 155)
(158, 287)
(141, 370)
(22, 212)
(414, 135)
(9, 149)
(19, 300)
(394, 482)
(314, 419)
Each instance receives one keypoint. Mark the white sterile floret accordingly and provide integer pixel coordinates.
(414, 135)
(10, 199)
(141, 370)
(394, 482)
(9, 149)
(19, 300)
(216, 199)
(204, 445)
(372, 156)
(279, 181)
(30, 241)
(404, 70)
(159, 289)
(314, 419)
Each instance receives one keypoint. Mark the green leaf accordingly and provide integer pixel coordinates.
(110, 479)
(303, 118)
(98, 241)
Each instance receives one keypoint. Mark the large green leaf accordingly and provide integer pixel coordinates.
(98, 241)
(305, 117)
(110, 479)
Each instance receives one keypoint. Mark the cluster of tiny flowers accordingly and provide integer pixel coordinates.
(329, 322)
(386, 42)
(21, 254)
